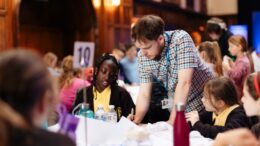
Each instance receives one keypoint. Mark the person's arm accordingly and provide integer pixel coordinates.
(237, 137)
(182, 89)
(236, 119)
(143, 101)
(127, 102)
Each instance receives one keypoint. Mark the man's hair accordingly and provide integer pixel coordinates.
(148, 27)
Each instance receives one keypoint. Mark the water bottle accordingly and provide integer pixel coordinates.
(111, 115)
(85, 111)
(180, 127)
(100, 113)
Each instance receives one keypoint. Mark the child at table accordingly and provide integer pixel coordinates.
(251, 103)
(223, 111)
(105, 90)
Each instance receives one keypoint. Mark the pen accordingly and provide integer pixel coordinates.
(132, 111)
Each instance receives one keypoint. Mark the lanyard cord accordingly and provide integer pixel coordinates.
(167, 61)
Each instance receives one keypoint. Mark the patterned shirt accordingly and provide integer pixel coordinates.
(182, 55)
(239, 71)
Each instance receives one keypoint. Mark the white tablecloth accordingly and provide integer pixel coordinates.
(105, 134)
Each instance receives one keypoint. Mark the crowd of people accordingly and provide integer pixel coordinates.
(218, 80)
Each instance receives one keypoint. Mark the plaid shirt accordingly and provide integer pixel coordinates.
(182, 55)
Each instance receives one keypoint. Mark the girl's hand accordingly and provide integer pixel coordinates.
(193, 117)
(131, 117)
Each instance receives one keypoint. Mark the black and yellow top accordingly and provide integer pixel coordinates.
(235, 118)
(102, 98)
(119, 97)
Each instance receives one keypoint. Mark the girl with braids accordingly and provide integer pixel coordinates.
(70, 81)
(27, 94)
(105, 90)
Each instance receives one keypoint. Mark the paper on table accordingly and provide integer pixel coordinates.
(118, 135)
(100, 132)
(97, 131)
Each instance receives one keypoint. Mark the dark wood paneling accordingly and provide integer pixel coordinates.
(114, 24)
(55, 25)
(41, 39)
(177, 18)
(8, 27)
(3, 7)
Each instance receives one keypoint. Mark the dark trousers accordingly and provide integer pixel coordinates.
(156, 114)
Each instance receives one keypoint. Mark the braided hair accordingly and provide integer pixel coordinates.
(104, 57)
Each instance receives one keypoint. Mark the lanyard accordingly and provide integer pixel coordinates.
(167, 61)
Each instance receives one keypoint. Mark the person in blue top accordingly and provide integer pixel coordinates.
(130, 65)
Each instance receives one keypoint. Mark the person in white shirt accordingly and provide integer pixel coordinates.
(256, 60)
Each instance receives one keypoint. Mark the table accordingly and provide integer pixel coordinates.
(101, 133)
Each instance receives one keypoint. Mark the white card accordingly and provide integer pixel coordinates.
(83, 54)
(167, 103)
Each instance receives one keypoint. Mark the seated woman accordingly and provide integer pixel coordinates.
(104, 90)
(222, 109)
(26, 96)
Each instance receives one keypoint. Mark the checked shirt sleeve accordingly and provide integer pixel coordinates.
(186, 52)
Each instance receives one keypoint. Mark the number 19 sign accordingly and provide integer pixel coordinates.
(83, 54)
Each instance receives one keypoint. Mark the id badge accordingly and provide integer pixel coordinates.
(167, 103)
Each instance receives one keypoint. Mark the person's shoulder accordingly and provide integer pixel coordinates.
(80, 90)
(80, 82)
(243, 61)
(178, 33)
(119, 88)
(123, 60)
(238, 110)
(229, 33)
(47, 138)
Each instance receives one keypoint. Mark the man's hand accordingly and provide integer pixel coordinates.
(143, 102)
